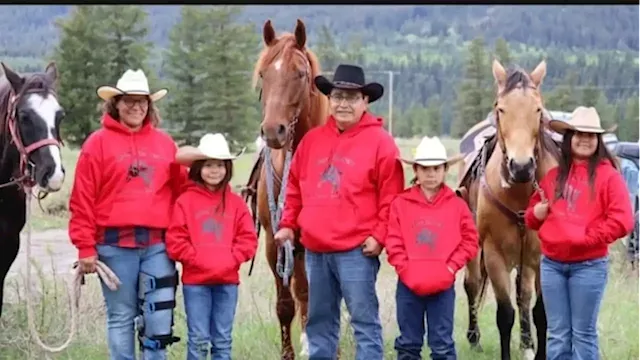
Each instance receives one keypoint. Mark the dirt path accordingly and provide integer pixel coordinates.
(51, 249)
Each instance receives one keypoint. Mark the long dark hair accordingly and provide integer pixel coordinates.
(566, 160)
(195, 175)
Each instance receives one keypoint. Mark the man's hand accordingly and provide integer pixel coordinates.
(88, 264)
(283, 235)
(541, 210)
(371, 248)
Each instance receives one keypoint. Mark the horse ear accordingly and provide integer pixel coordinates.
(52, 72)
(301, 34)
(14, 79)
(538, 73)
(268, 33)
(499, 73)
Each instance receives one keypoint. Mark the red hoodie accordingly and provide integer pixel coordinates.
(424, 238)
(211, 243)
(578, 226)
(104, 195)
(341, 184)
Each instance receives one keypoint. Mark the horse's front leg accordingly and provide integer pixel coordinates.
(498, 273)
(525, 287)
(9, 246)
(472, 285)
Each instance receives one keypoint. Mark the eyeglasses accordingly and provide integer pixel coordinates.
(131, 102)
(350, 98)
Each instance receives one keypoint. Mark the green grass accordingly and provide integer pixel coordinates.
(256, 330)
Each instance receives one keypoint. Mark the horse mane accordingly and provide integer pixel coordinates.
(319, 104)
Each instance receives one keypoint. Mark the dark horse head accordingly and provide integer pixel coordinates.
(30, 117)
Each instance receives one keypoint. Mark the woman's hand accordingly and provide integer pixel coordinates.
(541, 210)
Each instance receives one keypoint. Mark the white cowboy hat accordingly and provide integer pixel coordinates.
(583, 119)
(211, 146)
(431, 152)
(131, 83)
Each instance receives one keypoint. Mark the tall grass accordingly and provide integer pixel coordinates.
(256, 329)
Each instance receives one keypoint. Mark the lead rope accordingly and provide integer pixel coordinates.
(284, 270)
(107, 275)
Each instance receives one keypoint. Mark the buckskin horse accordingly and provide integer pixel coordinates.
(497, 181)
(291, 107)
(30, 117)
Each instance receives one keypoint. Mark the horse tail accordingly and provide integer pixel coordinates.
(250, 194)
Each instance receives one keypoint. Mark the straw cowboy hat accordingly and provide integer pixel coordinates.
(349, 77)
(131, 83)
(212, 146)
(583, 119)
(431, 152)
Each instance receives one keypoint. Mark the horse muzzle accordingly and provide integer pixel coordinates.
(275, 135)
(521, 172)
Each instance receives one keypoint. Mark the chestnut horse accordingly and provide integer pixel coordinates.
(291, 107)
(497, 185)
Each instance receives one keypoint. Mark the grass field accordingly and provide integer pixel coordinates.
(256, 330)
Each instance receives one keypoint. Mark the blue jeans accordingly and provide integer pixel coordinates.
(410, 312)
(210, 312)
(572, 293)
(352, 276)
(122, 304)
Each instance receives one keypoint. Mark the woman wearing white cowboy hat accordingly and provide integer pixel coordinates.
(430, 231)
(211, 234)
(125, 185)
(585, 209)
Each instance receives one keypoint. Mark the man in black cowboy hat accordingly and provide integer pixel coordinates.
(343, 177)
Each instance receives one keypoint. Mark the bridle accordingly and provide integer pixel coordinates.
(516, 216)
(26, 175)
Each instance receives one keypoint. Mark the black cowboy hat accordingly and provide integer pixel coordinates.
(349, 77)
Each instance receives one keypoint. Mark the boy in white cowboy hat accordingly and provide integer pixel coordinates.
(211, 234)
(431, 235)
(585, 209)
(124, 188)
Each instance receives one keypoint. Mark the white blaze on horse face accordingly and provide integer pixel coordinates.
(278, 64)
(46, 109)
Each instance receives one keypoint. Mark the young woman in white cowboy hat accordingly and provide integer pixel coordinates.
(211, 234)
(431, 235)
(124, 188)
(585, 209)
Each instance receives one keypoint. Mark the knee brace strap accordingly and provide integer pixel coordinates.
(157, 342)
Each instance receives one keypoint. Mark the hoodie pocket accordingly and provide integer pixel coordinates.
(426, 277)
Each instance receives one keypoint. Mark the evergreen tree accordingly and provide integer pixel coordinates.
(502, 52)
(475, 94)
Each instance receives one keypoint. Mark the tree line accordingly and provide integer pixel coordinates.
(210, 54)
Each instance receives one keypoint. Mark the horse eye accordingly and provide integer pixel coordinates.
(538, 109)
(301, 73)
(501, 110)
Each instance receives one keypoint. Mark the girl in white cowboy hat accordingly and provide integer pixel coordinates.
(211, 234)
(431, 235)
(124, 188)
(585, 208)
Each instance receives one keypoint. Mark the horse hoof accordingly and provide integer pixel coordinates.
(304, 344)
(477, 348)
(528, 354)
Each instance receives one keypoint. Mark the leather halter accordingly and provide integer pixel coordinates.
(516, 216)
(26, 175)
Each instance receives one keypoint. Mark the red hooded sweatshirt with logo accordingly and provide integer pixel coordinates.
(426, 238)
(581, 225)
(210, 241)
(340, 185)
(106, 197)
